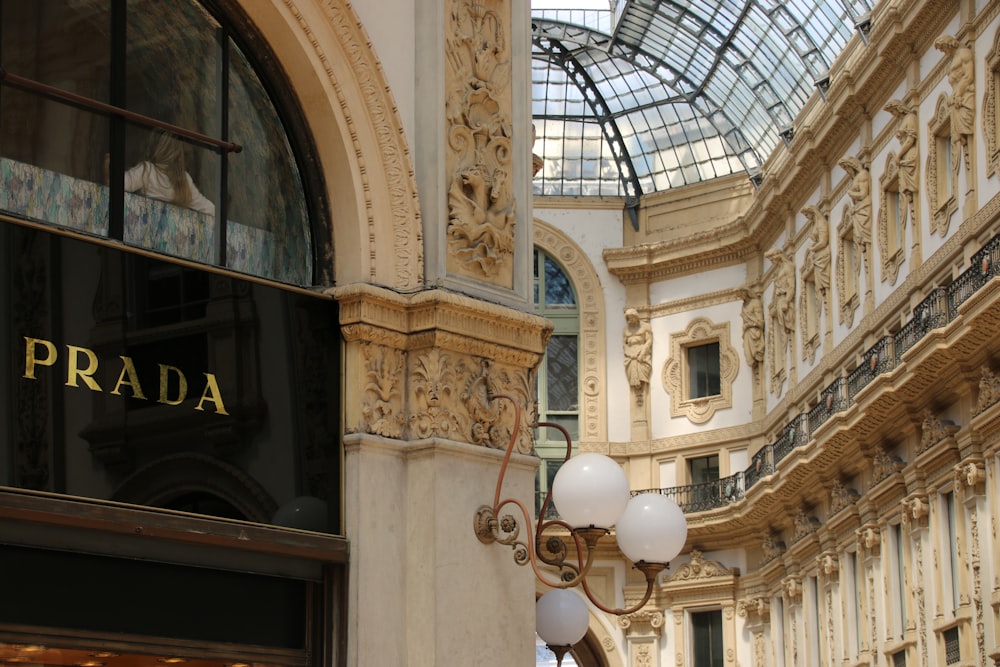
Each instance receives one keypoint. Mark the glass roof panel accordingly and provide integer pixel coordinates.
(650, 94)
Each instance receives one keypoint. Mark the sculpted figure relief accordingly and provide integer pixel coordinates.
(781, 314)
(907, 133)
(637, 342)
(860, 212)
(989, 390)
(753, 325)
(818, 254)
(962, 104)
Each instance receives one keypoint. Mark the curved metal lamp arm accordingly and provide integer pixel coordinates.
(490, 527)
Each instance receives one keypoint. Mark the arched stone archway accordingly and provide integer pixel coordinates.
(590, 294)
(362, 150)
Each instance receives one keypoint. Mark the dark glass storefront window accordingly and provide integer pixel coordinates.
(140, 381)
(145, 122)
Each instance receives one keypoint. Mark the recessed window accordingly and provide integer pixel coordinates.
(952, 647)
(559, 373)
(703, 370)
(706, 630)
(704, 469)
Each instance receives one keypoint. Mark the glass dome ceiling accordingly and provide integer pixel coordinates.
(649, 95)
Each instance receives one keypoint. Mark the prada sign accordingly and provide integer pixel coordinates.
(81, 365)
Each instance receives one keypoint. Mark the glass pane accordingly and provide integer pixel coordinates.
(49, 174)
(268, 225)
(142, 381)
(558, 290)
(703, 364)
(561, 373)
(173, 65)
(61, 44)
(165, 207)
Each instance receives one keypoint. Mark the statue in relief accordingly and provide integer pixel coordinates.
(860, 212)
(753, 325)
(637, 343)
(962, 103)
(909, 156)
(818, 254)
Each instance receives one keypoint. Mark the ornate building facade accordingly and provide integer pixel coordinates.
(257, 430)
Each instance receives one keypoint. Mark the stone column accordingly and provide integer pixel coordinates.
(423, 450)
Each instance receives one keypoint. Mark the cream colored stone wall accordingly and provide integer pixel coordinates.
(822, 524)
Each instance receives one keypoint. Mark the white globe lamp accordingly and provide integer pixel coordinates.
(652, 529)
(590, 490)
(561, 618)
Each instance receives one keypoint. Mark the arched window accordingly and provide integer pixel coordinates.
(559, 373)
(148, 123)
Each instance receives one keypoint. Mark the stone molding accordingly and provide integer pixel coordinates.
(675, 379)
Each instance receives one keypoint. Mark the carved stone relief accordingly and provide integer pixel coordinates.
(899, 193)
(989, 390)
(855, 231)
(962, 102)
(637, 344)
(480, 198)
(884, 465)
(771, 548)
(991, 106)
(933, 430)
(752, 315)
(383, 399)
(804, 524)
(699, 568)
(815, 282)
(841, 497)
(781, 317)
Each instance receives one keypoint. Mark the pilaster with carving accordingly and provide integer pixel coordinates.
(481, 204)
(781, 319)
(642, 636)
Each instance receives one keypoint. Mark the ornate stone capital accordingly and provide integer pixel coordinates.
(642, 623)
(915, 511)
(755, 609)
(971, 475)
(869, 539)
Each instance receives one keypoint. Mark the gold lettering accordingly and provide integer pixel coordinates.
(212, 394)
(128, 368)
(74, 372)
(164, 385)
(31, 359)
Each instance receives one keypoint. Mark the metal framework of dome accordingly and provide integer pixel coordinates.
(658, 94)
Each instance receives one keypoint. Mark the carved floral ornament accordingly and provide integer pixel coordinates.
(448, 397)
(480, 199)
(699, 568)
